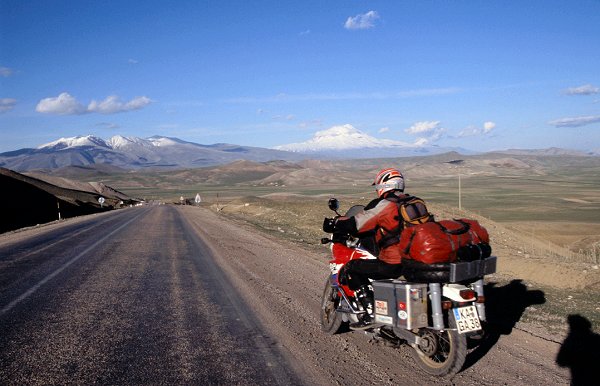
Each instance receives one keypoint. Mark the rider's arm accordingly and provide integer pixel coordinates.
(371, 219)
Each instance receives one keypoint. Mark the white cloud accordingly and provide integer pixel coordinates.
(112, 105)
(421, 142)
(383, 130)
(575, 121)
(6, 72)
(488, 126)
(586, 89)
(433, 137)
(7, 104)
(429, 131)
(362, 21)
(423, 127)
(472, 131)
(305, 32)
(65, 104)
(132, 61)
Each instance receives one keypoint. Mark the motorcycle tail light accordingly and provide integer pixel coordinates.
(467, 294)
(446, 304)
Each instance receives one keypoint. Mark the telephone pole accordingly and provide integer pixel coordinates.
(459, 192)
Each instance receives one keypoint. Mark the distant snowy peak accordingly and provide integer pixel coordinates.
(343, 137)
(121, 142)
(65, 143)
(165, 141)
(117, 142)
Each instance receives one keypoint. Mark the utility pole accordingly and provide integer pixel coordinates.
(459, 192)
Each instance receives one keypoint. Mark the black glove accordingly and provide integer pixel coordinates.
(329, 225)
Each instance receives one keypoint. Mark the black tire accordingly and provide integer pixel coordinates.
(446, 352)
(419, 272)
(331, 320)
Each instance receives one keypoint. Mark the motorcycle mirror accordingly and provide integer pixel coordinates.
(333, 204)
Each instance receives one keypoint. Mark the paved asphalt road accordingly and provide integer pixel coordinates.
(132, 297)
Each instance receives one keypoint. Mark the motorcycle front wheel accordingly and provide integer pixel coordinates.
(441, 353)
(331, 320)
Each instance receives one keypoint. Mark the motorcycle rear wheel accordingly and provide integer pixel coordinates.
(331, 320)
(443, 353)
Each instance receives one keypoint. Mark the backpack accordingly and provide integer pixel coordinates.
(411, 211)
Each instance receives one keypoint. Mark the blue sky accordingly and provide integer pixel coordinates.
(482, 75)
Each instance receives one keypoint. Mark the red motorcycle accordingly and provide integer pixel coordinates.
(434, 308)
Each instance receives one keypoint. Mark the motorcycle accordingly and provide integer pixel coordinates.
(434, 308)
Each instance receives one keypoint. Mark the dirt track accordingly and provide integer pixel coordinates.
(284, 284)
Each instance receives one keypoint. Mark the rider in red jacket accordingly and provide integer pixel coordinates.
(382, 218)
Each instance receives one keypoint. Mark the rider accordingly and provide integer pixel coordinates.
(383, 218)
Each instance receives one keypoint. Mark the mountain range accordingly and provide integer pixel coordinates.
(158, 152)
(134, 153)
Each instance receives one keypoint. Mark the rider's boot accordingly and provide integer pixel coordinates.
(365, 296)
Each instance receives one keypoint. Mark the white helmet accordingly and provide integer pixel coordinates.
(388, 179)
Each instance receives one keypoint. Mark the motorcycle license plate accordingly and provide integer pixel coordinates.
(467, 319)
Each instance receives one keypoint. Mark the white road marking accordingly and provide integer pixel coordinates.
(32, 290)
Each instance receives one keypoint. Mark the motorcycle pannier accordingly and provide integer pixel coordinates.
(400, 304)
(444, 241)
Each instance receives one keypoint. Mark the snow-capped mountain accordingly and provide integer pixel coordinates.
(343, 137)
(347, 141)
(134, 152)
(79, 141)
(121, 142)
(115, 142)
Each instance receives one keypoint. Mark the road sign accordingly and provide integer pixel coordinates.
(101, 201)
(198, 199)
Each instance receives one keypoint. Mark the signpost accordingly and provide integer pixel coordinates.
(101, 201)
(198, 199)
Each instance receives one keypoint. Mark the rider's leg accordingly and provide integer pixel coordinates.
(358, 273)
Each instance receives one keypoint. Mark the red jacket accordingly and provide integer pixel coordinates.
(381, 216)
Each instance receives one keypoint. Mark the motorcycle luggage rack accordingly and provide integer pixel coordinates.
(472, 269)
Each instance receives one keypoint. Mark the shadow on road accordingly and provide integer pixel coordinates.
(579, 352)
(504, 308)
